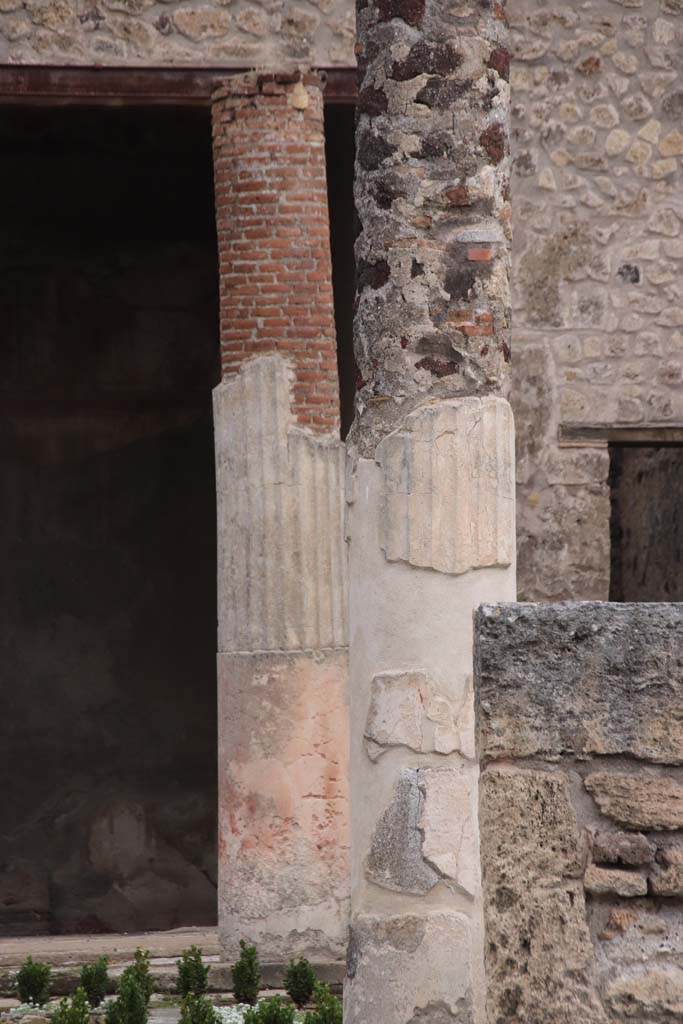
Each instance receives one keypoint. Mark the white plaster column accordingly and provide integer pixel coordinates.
(282, 674)
(430, 491)
(431, 528)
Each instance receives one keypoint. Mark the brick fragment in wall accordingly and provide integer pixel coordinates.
(432, 199)
(273, 236)
(637, 800)
(626, 848)
(614, 882)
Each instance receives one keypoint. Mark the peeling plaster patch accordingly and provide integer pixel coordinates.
(407, 710)
(448, 825)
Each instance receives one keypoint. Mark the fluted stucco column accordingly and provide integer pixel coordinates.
(430, 494)
(282, 656)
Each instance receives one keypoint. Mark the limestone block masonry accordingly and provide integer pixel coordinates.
(581, 811)
(282, 630)
(430, 495)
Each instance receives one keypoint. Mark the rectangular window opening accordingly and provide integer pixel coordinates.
(646, 523)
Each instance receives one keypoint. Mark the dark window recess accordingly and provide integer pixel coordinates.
(646, 485)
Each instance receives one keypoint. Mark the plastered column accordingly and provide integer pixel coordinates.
(430, 491)
(282, 633)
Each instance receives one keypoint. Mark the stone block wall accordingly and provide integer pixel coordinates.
(597, 97)
(581, 811)
(194, 33)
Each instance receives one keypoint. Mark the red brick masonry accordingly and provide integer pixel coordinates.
(274, 236)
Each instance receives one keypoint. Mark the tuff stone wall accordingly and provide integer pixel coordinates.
(581, 811)
(196, 33)
(598, 307)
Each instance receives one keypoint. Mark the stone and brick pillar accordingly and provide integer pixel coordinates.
(431, 494)
(282, 658)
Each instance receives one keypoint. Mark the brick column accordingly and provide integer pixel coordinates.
(431, 516)
(274, 236)
(282, 659)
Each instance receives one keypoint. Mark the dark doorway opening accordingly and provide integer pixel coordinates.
(109, 307)
(340, 155)
(646, 525)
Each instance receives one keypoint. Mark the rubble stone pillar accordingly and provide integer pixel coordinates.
(282, 658)
(431, 520)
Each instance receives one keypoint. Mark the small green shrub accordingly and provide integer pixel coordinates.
(95, 980)
(246, 975)
(139, 970)
(73, 1011)
(193, 976)
(197, 1009)
(299, 982)
(33, 982)
(328, 1009)
(270, 1011)
(130, 1006)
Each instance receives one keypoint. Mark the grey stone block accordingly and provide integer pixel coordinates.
(580, 678)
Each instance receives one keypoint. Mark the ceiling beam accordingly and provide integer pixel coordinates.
(100, 86)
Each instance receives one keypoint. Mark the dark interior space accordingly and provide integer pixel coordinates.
(646, 523)
(109, 306)
(340, 155)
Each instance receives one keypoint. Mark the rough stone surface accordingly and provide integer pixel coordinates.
(209, 33)
(532, 862)
(654, 995)
(638, 801)
(622, 848)
(583, 919)
(668, 880)
(611, 675)
(428, 833)
(432, 200)
(614, 882)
